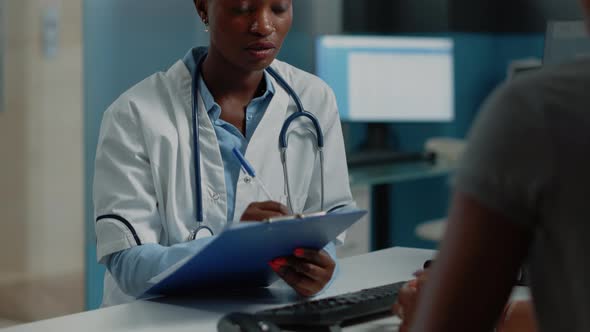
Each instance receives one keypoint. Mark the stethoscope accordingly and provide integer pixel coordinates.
(205, 231)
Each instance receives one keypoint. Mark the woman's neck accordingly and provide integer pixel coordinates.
(225, 80)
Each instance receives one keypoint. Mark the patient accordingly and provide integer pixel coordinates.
(522, 192)
(518, 316)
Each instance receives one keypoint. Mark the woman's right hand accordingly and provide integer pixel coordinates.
(260, 211)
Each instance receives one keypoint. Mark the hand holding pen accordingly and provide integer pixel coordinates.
(259, 211)
(307, 271)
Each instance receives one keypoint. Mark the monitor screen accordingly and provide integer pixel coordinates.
(389, 79)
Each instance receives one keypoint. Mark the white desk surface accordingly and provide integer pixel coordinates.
(201, 314)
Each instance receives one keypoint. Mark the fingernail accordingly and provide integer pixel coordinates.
(279, 262)
(273, 266)
(413, 283)
(299, 252)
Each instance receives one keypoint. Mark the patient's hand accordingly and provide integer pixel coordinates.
(405, 306)
(518, 316)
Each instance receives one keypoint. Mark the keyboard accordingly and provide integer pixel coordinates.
(340, 310)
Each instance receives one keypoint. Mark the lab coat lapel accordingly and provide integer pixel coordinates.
(212, 173)
(263, 153)
(265, 140)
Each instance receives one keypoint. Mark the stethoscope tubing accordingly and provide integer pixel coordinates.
(283, 143)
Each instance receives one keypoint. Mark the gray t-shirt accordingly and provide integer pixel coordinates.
(528, 158)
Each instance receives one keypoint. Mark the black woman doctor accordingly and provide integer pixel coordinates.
(166, 180)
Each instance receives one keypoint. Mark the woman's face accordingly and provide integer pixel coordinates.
(247, 33)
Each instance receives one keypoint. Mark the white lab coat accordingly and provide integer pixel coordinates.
(144, 179)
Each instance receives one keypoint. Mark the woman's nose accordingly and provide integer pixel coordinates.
(263, 24)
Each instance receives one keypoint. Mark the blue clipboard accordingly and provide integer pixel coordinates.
(239, 256)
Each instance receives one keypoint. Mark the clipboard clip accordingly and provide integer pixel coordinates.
(297, 216)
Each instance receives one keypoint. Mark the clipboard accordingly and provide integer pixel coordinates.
(239, 256)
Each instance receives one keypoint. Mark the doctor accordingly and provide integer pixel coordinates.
(154, 204)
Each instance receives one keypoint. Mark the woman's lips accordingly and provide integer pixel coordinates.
(261, 50)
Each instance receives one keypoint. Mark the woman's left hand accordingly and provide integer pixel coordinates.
(307, 271)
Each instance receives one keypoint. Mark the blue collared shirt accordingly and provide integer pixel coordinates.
(229, 136)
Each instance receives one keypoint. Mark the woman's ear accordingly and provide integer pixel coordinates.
(202, 8)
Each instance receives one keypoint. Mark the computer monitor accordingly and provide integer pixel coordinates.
(389, 79)
(566, 41)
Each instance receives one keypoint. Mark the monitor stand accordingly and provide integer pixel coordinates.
(377, 150)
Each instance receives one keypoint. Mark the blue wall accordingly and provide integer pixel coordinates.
(124, 42)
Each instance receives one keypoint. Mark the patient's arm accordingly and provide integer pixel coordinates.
(474, 271)
(518, 316)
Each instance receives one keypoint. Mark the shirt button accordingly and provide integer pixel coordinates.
(247, 179)
(249, 117)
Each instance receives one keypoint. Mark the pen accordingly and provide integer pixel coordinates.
(247, 167)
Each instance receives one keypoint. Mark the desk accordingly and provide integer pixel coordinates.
(180, 315)
(398, 172)
(379, 177)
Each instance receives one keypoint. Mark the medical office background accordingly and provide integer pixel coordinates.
(64, 62)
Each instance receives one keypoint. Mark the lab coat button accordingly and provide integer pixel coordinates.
(216, 197)
(247, 179)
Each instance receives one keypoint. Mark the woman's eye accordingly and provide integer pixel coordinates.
(240, 11)
(280, 9)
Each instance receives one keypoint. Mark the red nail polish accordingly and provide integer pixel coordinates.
(280, 262)
(299, 252)
(273, 266)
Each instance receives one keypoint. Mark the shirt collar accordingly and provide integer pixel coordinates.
(214, 110)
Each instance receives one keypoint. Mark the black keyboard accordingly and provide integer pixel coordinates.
(340, 310)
